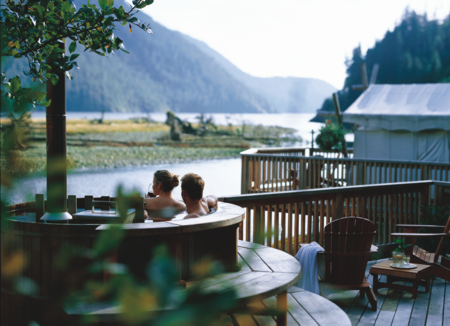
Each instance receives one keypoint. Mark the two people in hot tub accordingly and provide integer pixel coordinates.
(191, 191)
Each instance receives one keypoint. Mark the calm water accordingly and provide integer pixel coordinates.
(222, 177)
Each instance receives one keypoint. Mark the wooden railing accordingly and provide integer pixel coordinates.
(263, 171)
(283, 219)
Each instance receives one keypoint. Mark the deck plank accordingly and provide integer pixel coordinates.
(446, 319)
(436, 306)
(404, 309)
(420, 309)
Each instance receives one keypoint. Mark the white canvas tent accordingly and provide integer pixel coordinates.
(402, 122)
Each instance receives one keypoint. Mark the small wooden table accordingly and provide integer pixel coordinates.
(395, 274)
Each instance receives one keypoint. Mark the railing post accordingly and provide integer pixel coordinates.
(244, 174)
(40, 207)
(360, 173)
(338, 206)
(424, 172)
(438, 196)
(72, 204)
(424, 200)
(302, 174)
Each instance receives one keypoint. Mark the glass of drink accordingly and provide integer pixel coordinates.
(397, 258)
(150, 190)
(406, 259)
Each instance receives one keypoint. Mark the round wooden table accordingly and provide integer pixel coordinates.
(265, 273)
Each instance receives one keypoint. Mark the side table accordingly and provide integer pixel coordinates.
(395, 274)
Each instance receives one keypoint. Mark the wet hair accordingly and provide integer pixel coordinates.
(167, 179)
(193, 184)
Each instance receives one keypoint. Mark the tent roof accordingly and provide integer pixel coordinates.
(412, 107)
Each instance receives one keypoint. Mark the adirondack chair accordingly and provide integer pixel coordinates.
(316, 173)
(440, 264)
(348, 244)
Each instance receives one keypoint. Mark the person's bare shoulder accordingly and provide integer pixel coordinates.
(179, 205)
(212, 201)
(191, 216)
(151, 203)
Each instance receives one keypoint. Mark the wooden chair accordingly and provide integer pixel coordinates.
(316, 175)
(348, 244)
(440, 264)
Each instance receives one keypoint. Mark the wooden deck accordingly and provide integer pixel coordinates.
(396, 307)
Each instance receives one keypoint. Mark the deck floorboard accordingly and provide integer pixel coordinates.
(395, 307)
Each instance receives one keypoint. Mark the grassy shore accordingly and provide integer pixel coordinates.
(91, 144)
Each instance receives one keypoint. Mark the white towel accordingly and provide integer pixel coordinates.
(307, 256)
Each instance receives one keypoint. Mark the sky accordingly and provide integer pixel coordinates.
(298, 38)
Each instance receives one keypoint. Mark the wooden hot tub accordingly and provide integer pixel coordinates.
(188, 240)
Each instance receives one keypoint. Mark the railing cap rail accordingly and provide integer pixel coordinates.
(323, 191)
(349, 159)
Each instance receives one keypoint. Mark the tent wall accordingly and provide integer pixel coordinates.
(430, 145)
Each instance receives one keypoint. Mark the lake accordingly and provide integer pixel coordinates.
(222, 177)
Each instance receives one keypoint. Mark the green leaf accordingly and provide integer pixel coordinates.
(45, 103)
(40, 9)
(53, 78)
(40, 96)
(132, 20)
(68, 75)
(15, 84)
(74, 56)
(103, 4)
(110, 3)
(72, 47)
(17, 44)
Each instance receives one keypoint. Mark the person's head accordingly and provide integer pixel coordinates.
(165, 180)
(192, 185)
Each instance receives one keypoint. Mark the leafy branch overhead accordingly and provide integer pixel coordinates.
(37, 31)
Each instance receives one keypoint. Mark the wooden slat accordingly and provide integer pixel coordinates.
(247, 223)
(277, 225)
(296, 226)
(269, 226)
(303, 222)
(289, 229)
(283, 228)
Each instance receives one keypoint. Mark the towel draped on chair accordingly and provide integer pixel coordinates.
(307, 256)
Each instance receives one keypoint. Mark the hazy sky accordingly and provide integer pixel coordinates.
(300, 38)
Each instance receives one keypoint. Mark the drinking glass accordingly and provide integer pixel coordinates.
(150, 190)
(406, 259)
(397, 258)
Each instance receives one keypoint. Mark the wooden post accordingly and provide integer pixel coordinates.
(56, 209)
(360, 173)
(72, 204)
(338, 206)
(40, 207)
(88, 202)
(139, 215)
(364, 75)
(424, 172)
(337, 108)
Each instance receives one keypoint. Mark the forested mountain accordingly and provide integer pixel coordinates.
(288, 94)
(167, 70)
(416, 51)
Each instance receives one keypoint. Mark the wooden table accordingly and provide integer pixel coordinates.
(396, 274)
(265, 272)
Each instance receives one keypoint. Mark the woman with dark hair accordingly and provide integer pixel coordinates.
(163, 183)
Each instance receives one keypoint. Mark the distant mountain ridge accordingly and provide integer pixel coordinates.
(287, 94)
(171, 71)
